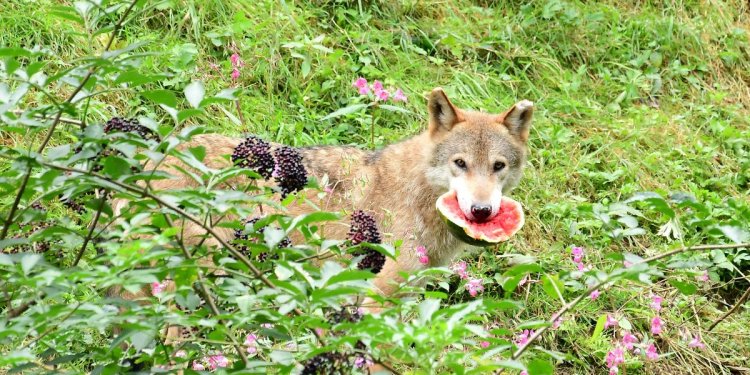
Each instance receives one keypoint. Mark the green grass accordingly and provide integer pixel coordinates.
(630, 98)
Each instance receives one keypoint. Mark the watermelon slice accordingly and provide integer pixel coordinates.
(500, 228)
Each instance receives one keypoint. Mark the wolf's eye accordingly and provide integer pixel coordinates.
(460, 163)
(499, 166)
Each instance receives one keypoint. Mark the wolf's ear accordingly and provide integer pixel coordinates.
(443, 114)
(518, 119)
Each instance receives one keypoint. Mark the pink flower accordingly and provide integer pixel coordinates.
(524, 280)
(377, 86)
(627, 264)
(702, 277)
(266, 325)
(399, 96)
(696, 343)
(556, 323)
(595, 294)
(577, 253)
(656, 325)
(236, 61)
(613, 371)
(214, 66)
(235, 74)
(251, 339)
(615, 357)
(180, 354)
(611, 322)
(197, 366)
(252, 349)
(651, 353)
(157, 287)
(422, 254)
(362, 362)
(581, 267)
(382, 95)
(484, 344)
(628, 340)
(523, 337)
(656, 302)
(320, 331)
(459, 268)
(474, 286)
(361, 84)
(523, 372)
(216, 361)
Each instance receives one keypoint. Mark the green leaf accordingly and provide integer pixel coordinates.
(194, 93)
(599, 327)
(282, 357)
(141, 339)
(736, 234)
(685, 288)
(312, 218)
(349, 275)
(29, 261)
(427, 308)
(540, 367)
(115, 167)
(164, 97)
(553, 286)
(393, 108)
(345, 111)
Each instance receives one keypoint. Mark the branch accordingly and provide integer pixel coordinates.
(94, 222)
(732, 310)
(607, 280)
(57, 120)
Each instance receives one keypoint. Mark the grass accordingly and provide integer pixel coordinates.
(649, 96)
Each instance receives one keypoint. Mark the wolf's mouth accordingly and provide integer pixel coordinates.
(497, 229)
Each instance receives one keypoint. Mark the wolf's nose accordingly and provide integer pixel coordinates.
(481, 212)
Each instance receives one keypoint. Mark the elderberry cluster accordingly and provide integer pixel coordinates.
(254, 153)
(364, 229)
(289, 172)
(240, 234)
(327, 363)
(118, 124)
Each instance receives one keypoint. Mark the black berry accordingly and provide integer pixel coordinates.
(254, 153)
(289, 171)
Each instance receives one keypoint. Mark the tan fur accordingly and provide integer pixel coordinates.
(400, 183)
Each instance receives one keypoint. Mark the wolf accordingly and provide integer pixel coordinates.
(479, 155)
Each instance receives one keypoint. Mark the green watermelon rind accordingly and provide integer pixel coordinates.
(465, 234)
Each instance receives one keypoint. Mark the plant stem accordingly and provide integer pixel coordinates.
(570, 305)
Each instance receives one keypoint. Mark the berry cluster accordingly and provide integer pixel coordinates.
(289, 172)
(240, 234)
(118, 124)
(365, 229)
(350, 314)
(254, 153)
(327, 363)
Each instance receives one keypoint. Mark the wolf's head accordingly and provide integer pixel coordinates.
(479, 155)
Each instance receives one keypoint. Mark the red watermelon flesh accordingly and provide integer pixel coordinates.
(500, 228)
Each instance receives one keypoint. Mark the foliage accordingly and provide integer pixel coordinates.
(640, 149)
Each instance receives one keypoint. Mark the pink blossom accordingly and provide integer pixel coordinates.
(611, 322)
(484, 344)
(656, 325)
(595, 294)
(236, 61)
(382, 95)
(524, 280)
(157, 287)
(523, 337)
(320, 331)
(377, 86)
(399, 96)
(266, 325)
(235, 74)
(459, 268)
(613, 371)
(656, 302)
(214, 66)
(556, 323)
(581, 267)
(651, 353)
(180, 354)
(523, 372)
(252, 349)
(361, 84)
(422, 254)
(216, 361)
(703, 277)
(615, 357)
(474, 286)
(197, 366)
(627, 264)
(696, 343)
(577, 253)
(251, 339)
(628, 340)
(362, 362)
